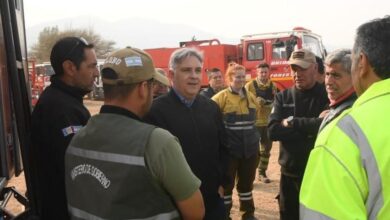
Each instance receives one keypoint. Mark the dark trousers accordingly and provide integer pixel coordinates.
(265, 149)
(217, 212)
(289, 197)
(243, 171)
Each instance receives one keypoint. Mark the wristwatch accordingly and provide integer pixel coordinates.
(290, 121)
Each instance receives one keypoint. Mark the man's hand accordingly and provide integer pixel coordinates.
(287, 122)
(284, 123)
(221, 191)
(261, 101)
(324, 113)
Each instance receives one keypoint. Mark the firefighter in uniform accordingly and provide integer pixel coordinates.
(239, 112)
(118, 167)
(264, 90)
(347, 176)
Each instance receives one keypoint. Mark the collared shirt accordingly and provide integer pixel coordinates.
(186, 102)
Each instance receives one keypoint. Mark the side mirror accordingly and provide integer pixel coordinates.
(290, 44)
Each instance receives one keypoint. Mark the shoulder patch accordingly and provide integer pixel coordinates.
(73, 129)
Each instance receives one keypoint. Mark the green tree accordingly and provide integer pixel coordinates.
(49, 35)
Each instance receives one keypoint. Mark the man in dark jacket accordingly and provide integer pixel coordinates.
(57, 116)
(215, 83)
(118, 167)
(197, 122)
(338, 82)
(294, 122)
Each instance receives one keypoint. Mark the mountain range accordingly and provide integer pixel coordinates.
(136, 32)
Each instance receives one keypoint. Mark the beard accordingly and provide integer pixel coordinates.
(145, 107)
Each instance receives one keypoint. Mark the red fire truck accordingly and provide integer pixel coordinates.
(39, 78)
(273, 48)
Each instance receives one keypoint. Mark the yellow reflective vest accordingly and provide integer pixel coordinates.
(348, 173)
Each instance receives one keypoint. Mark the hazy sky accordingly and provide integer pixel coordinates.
(335, 20)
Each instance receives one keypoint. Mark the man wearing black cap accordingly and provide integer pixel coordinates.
(294, 122)
(117, 166)
(57, 116)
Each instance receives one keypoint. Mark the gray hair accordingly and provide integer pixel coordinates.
(372, 39)
(180, 54)
(342, 56)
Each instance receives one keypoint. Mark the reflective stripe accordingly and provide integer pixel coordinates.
(85, 215)
(245, 194)
(246, 198)
(109, 157)
(82, 214)
(240, 123)
(374, 201)
(227, 199)
(308, 214)
(289, 105)
(345, 168)
(240, 128)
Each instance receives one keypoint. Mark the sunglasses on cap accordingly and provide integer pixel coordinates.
(79, 41)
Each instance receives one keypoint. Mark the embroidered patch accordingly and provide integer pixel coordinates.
(91, 170)
(71, 130)
(133, 61)
(299, 55)
(113, 60)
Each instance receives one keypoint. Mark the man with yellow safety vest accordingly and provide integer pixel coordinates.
(347, 176)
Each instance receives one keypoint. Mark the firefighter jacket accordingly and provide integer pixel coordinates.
(265, 95)
(101, 172)
(297, 141)
(347, 176)
(239, 116)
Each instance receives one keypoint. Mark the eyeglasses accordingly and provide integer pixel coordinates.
(80, 40)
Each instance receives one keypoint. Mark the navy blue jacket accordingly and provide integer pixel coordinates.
(200, 131)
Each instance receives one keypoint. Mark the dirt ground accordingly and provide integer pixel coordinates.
(264, 194)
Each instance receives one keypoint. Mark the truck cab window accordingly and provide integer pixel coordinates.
(279, 51)
(255, 51)
(312, 43)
